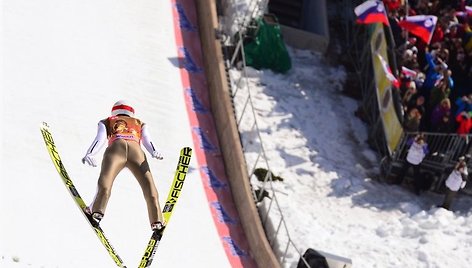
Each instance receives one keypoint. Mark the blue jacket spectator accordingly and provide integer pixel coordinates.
(463, 104)
(435, 73)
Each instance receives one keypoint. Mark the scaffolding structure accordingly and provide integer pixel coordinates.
(446, 148)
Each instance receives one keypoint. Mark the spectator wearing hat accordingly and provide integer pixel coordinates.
(415, 108)
(417, 151)
(409, 44)
(409, 92)
(410, 58)
(412, 121)
(419, 79)
(454, 182)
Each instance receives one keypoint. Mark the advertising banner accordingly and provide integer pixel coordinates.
(391, 125)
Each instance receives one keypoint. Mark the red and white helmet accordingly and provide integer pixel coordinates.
(122, 107)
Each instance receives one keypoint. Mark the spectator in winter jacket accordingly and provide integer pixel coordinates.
(418, 149)
(446, 125)
(412, 121)
(439, 92)
(456, 181)
(432, 74)
(410, 59)
(464, 104)
(435, 72)
(441, 111)
(465, 123)
(409, 92)
(416, 102)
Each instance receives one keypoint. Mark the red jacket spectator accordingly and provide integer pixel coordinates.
(465, 123)
(392, 4)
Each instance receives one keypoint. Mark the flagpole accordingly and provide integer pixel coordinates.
(407, 5)
(393, 47)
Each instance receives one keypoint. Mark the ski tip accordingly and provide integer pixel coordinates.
(44, 124)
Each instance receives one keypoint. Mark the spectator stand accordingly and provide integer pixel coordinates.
(445, 146)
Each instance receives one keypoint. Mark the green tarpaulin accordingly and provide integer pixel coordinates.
(267, 50)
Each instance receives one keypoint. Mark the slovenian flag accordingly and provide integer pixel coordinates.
(421, 25)
(388, 72)
(467, 12)
(408, 72)
(371, 11)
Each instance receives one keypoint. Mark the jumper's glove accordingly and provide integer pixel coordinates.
(157, 155)
(90, 160)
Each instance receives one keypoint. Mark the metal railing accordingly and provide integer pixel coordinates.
(242, 19)
(445, 149)
(271, 214)
(444, 152)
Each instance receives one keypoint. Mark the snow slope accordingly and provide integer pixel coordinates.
(67, 62)
(330, 198)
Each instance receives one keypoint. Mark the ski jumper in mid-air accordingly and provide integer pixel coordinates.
(124, 134)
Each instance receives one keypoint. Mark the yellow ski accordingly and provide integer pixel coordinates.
(56, 159)
(172, 198)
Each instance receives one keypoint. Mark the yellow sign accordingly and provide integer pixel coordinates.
(391, 125)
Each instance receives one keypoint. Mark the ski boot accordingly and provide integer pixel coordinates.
(157, 226)
(94, 217)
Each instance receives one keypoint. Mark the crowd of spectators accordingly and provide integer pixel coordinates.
(435, 92)
(436, 78)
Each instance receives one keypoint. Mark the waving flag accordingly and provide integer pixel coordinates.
(467, 12)
(388, 72)
(460, 14)
(371, 11)
(408, 72)
(420, 25)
